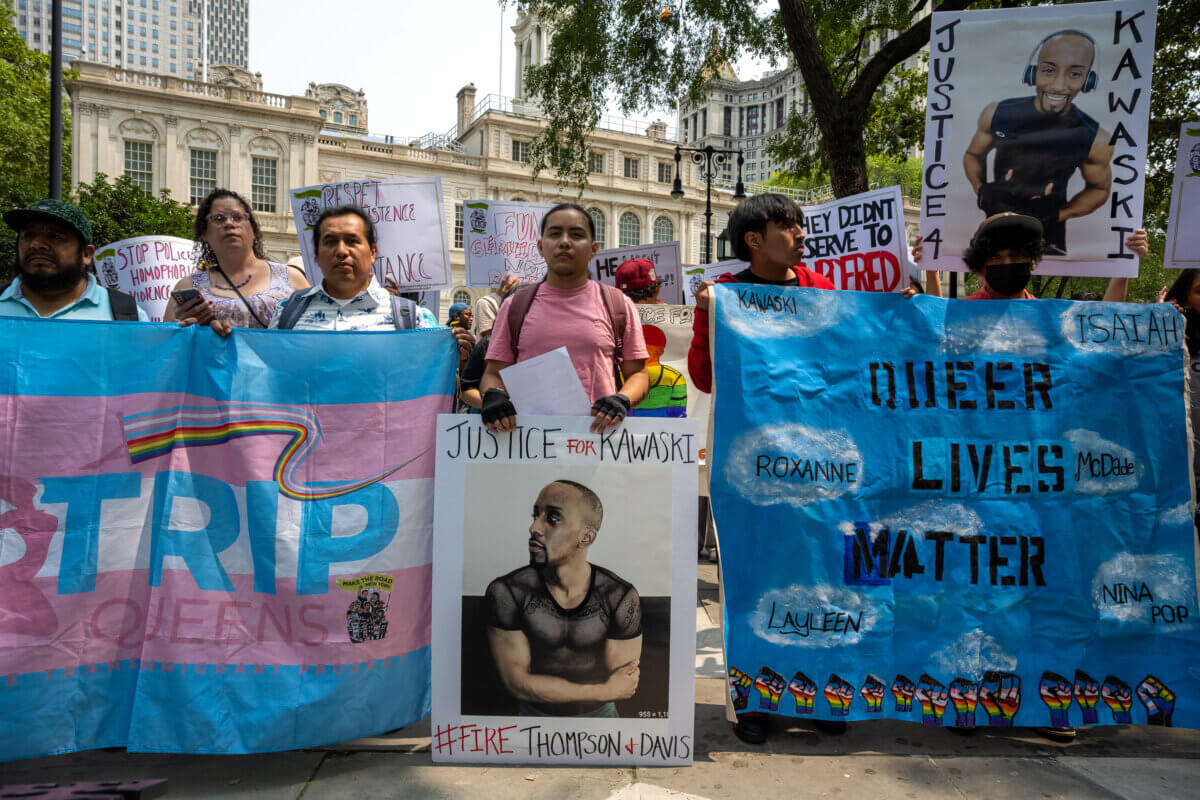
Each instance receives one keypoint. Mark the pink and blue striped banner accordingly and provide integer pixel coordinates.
(214, 545)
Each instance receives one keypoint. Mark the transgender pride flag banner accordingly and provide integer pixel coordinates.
(214, 545)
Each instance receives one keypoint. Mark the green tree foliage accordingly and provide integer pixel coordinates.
(24, 128)
(121, 209)
(882, 170)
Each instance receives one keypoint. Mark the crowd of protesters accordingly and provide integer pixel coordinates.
(236, 286)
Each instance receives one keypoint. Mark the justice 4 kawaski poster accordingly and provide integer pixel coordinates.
(1183, 226)
(979, 515)
(146, 267)
(564, 592)
(409, 221)
(214, 545)
(1041, 111)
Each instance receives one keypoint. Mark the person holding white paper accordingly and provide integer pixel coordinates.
(597, 324)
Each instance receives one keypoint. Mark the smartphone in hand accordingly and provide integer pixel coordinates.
(184, 296)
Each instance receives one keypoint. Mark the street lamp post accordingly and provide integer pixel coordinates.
(56, 82)
(708, 158)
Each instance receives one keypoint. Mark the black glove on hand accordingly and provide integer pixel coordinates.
(496, 406)
(995, 198)
(614, 405)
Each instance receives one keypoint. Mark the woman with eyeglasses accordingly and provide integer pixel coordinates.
(234, 285)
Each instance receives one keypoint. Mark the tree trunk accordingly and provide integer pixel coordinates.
(847, 158)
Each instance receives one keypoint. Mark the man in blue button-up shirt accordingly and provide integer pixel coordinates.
(54, 251)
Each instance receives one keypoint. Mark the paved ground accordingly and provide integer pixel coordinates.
(880, 761)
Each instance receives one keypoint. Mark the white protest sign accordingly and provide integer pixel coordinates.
(664, 256)
(410, 227)
(1183, 226)
(694, 276)
(146, 267)
(1041, 111)
(500, 236)
(546, 384)
(858, 242)
(490, 601)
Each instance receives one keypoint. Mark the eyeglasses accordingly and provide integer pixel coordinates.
(219, 219)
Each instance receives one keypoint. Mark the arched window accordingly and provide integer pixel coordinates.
(462, 296)
(598, 220)
(629, 230)
(664, 230)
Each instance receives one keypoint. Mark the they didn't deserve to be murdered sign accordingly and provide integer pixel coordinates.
(146, 267)
(410, 227)
(857, 242)
(567, 636)
(501, 238)
(987, 533)
(1044, 112)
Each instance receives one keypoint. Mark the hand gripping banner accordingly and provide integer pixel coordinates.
(963, 514)
(214, 545)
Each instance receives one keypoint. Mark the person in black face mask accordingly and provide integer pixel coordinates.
(1004, 253)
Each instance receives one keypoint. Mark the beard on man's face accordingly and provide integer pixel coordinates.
(66, 276)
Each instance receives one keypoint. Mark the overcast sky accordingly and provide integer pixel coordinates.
(410, 56)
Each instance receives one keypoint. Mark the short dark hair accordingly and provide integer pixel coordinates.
(200, 226)
(645, 293)
(987, 244)
(591, 498)
(571, 207)
(753, 215)
(342, 211)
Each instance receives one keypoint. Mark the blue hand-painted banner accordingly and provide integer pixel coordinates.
(959, 513)
(214, 545)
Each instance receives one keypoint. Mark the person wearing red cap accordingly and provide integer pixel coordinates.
(638, 280)
(768, 231)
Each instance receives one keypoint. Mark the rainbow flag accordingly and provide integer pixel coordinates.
(194, 533)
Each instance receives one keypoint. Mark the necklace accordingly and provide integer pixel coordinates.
(235, 285)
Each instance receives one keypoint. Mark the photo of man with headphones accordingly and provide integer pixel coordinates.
(1040, 141)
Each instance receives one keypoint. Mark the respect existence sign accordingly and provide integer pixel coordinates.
(1045, 112)
(980, 532)
(409, 221)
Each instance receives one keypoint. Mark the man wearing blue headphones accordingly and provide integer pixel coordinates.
(1041, 140)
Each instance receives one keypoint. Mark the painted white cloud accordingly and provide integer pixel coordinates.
(799, 313)
(935, 515)
(997, 332)
(825, 602)
(1177, 515)
(763, 486)
(1123, 329)
(1091, 443)
(1118, 585)
(969, 656)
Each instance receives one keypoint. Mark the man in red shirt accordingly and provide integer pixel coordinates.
(768, 231)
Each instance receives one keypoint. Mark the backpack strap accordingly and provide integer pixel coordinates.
(293, 307)
(404, 313)
(516, 307)
(614, 304)
(124, 308)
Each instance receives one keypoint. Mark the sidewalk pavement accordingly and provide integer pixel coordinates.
(883, 760)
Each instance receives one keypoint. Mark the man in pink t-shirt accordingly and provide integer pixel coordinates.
(569, 310)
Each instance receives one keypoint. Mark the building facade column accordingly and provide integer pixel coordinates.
(233, 176)
(107, 146)
(171, 157)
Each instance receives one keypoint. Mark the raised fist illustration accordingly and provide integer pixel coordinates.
(804, 689)
(963, 696)
(933, 698)
(1119, 698)
(770, 685)
(1056, 694)
(902, 690)
(1000, 696)
(873, 691)
(739, 688)
(1158, 700)
(840, 695)
(1087, 694)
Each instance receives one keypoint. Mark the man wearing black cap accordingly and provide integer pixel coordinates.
(54, 251)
